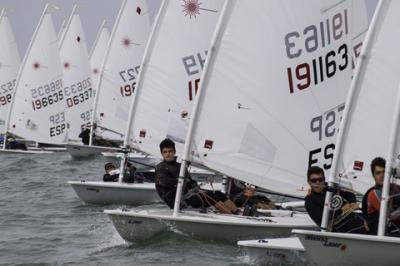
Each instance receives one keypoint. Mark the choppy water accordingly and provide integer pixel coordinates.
(43, 222)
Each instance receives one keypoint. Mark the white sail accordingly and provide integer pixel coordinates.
(78, 84)
(98, 52)
(37, 112)
(9, 65)
(369, 116)
(121, 65)
(169, 80)
(273, 96)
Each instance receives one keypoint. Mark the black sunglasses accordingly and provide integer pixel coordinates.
(316, 180)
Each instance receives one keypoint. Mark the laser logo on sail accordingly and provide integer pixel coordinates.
(192, 8)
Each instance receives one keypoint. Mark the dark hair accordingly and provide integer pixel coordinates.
(378, 161)
(314, 170)
(108, 165)
(167, 143)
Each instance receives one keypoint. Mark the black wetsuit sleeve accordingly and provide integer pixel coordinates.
(130, 177)
(237, 187)
(110, 178)
(189, 182)
(314, 210)
(348, 196)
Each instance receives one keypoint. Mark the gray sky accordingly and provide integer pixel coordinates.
(25, 14)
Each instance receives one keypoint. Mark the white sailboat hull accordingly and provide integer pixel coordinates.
(141, 161)
(326, 248)
(287, 250)
(25, 152)
(52, 149)
(99, 192)
(80, 150)
(138, 225)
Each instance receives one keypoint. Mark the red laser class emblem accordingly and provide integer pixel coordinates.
(128, 42)
(192, 8)
(36, 65)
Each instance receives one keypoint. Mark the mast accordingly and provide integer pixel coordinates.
(62, 27)
(347, 112)
(102, 26)
(390, 167)
(45, 11)
(215, 41)
(64, 33)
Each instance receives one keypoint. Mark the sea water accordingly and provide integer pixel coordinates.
(43, 222)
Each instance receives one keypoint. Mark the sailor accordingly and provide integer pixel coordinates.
(85, 135)
(371, 203)
(112, 174)
(166, 177)
(244, 195)
(13, 144)
(343, 204)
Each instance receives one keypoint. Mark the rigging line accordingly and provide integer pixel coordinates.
(359, 34)
(324, 10)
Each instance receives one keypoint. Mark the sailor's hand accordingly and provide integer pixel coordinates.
(349, 207)
(249, 192)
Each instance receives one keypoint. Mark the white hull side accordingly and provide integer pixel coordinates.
(325, 248)
(31, 152)
(80, 150)
(52, 149)
(98, 192)
(141, 161)
(273, 251)
(132, 225)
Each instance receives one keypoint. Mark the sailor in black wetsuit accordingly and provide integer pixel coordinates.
(343, 204)
(166, 177)
(243, 195)
(13, 144)
(85, 136)
(112, 174)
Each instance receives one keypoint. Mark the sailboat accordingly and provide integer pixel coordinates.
(268, 107)
(36, 113)
(151, 104)
(373, 109)
(118, 75)
(9, 65)
(283, 250)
